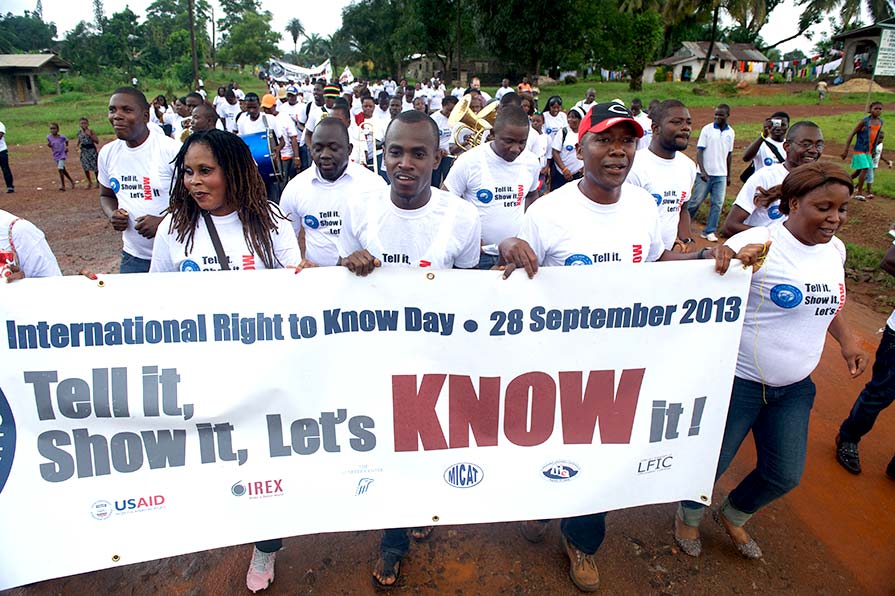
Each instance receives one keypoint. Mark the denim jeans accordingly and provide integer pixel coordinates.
(269, 546)
(778, 419)
(395, 541)
(717, 186)
(878, 394)
(304, 155)
(487, 261)
(132, 264)
(585, 532)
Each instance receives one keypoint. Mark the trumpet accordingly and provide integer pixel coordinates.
(465, 119)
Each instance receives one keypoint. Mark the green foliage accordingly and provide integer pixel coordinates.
(27, 33)
(570, 80)
(866, 259)
(250, 40)
(645, 35)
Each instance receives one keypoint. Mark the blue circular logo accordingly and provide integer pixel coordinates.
(551, 130)
(484, 195)
(312, 222)
(768, 161)
(658, 198)
(115, 185)
(570, 147)
(579, 260)
(786, 296)
(774, 211)
(189, 265)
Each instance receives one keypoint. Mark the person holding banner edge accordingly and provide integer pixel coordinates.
(600, 215)
(772, 393)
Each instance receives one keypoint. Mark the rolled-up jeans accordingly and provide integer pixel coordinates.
(716, 186)
(778, 420)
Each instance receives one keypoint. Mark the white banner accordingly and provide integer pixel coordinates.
(230, 408)
(283, 70)
(885, 57)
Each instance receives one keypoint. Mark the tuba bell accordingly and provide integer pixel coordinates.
(465, 119)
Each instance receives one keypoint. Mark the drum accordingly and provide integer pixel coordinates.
(263, 146)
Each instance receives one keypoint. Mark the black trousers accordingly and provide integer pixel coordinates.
(4, 165)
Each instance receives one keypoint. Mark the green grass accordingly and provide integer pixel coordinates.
(866, 259)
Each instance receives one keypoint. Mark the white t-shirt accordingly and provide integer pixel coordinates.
(316, 204)
(585, 106)
(564, 227)
(239, 93)
(315, 116)
(501, 91)
(566, 150)
(287, 126)
(140, 177)
(444, 130)
(793, 299)
(765, 157)
(458, 92)
(435, 99)
(228, 114)
(767, 178)
(716, 144)
(554, 124)
(3, 140)
(218, 100)
(496, 187)
(170, 255)
(442, 234)
(32, 251)
(247, 126)
(647, 124)
(670, 182)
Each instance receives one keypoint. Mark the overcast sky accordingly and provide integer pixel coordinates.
(325, 19)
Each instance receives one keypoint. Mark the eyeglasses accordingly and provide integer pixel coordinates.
(808, 145)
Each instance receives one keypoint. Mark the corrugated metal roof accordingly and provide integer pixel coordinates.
(31, 61)
(721, 51)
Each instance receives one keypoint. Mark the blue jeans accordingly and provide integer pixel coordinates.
(304, 155)
(778, 419)
(585, 532)
(716, 185)
(132, 264)
(487, 261)
(878, 394)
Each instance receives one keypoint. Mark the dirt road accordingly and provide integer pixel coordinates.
(835, 534)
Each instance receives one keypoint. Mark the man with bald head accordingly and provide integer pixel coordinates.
(314, 200)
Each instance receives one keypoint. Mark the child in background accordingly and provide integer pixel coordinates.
(59, 145)
(88, 146)
(867, 135)
(541, 148)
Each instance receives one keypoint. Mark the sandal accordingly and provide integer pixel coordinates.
(870, 196)
(421, 534)
(859, 198)
(387, 566)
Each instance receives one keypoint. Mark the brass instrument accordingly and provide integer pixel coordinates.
(369, 132)
(465, 119)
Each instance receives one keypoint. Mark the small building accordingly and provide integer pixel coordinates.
(731, 62)
(18, 76)
(860, 48)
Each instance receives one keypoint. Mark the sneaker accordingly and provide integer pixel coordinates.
(710, 236)
(260, 574)
(847, 455)
(891, 232)
(582, 568)
(10, 189)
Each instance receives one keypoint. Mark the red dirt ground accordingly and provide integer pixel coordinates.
(832, 535)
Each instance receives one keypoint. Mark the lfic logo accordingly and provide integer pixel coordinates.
(7, 440)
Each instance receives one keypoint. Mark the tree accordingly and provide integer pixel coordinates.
(794, 55)
(371, 27)
(714, 34)
(643, 41)
(250, 40)
(234, 11)
(751, 16)
(296, 30)
(315, 48)
(98, 14)
(26, 33)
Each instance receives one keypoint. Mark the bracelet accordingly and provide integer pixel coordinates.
(685, 240)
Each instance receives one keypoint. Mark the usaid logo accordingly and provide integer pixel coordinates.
(658, 198)
(114, 185)
(774, 211)
(257, 489)
(7, 440)
(363, 485)
(560, 471)
(484, 195)
(578, 259)
(189, 265)
(463, 475)
(655, 464)
(312, 222)
(786, 296)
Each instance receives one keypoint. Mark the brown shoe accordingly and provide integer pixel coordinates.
(533, 530)
(582, 568)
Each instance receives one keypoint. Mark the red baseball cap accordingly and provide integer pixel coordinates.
(606, 115)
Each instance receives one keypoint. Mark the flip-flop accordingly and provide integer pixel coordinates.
(859, 198)
(421, 534)
(385, 562)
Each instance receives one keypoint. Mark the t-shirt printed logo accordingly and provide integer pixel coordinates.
(658, 198)
(312, 222)
(248, 262)
(637, 253)
(774, 212)
(520, 194)
(786, 296)
(425, 263)
(484, 195)
(768, 161)
(570, 147)
(147, 189)
(115, 185)
(189, 265)
(578, 259)
(683, 198)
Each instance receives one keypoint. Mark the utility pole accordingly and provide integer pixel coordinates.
(459, 36)
(192, 9)
(214, 41)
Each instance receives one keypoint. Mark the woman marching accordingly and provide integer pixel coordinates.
(783, 337)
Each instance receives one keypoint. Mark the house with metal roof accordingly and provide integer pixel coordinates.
(18, 76)
(733, 61)
(860, 48)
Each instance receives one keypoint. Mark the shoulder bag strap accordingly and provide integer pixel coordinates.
(774, 150)
(216, 241)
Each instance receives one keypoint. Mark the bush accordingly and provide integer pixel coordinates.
(728, 88)
(659, 77)
(763, 79)
(570, 80)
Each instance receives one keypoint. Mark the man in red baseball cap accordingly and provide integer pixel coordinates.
(600, 221)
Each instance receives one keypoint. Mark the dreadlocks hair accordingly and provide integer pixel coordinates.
(245, 192)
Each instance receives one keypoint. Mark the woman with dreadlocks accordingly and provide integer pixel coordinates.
(219, 216)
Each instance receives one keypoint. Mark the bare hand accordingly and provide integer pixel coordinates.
(855, 357)
(119, 220)
(704, 176)
(750, 255)
(517, 253)
(845, 154)
(88, 274)
(361, 262)
(146, 225)
(305, 264)
(762, 197)
(15, 272)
